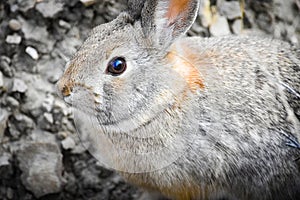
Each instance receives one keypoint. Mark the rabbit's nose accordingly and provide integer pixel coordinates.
(63, 89)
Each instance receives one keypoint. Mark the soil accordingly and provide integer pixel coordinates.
(37, 38)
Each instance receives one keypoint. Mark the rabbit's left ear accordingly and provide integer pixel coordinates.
(165, 20)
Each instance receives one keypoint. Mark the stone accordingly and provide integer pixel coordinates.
(10, 193)
(220, 26)
(49, 118)
(64, 24)
(33, 102)
(24, 6)
(60, 106)
(22, 122)
(48, 102)
(42, 168)
(68, 143)
(32, 52)
(38, 35)
(13, 39)
(4, 159)
(3, 122)
(5, 66)
(237, 26)
(12, 102)
(19, 86)
(230, 9)
(205, 13)
(14, 25)
(88, 2)
(49, 8)
(40, 136)
(1, 80)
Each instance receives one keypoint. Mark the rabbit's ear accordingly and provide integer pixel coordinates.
(165, 20)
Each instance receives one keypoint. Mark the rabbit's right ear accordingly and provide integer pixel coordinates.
(165, 20)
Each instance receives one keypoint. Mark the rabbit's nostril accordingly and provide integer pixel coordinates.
(66, 91)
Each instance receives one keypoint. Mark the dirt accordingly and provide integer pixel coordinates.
(37, 38)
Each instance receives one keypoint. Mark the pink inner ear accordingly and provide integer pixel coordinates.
(176, 7)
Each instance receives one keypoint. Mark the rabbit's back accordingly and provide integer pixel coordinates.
(246, 105)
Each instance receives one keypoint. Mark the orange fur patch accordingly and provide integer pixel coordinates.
(176, 7)
(184, 65)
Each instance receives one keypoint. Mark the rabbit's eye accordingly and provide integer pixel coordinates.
(116, 66)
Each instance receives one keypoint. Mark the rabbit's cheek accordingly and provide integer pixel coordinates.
(185, 68)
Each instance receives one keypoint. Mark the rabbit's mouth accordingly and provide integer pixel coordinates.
(134, 123)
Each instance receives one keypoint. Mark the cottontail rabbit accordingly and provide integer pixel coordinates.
(190, 117)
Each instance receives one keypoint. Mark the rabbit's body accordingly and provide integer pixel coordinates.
(234, 123)
(194, 118)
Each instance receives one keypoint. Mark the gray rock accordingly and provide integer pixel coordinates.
(24, 6)
(22, 122)
(220, 27)
(1, 80)
(48, 102)
(205, 13)
(13, 39)
(230, 9)
(88, 2)
(49, 8)
(70, 45)
(49, 118)
(41, 164)
(68, 143)
(283, 10)
(64, 24)
(60, 106)
(32, 52)
(40, 136)
(12, 102)
(46, 122)
(4, 159)
(3, 122)
(38, 35)
(33, 102)
(14, 25)
(237, 26)
(19, 86)
(5, 66)
(10, 193)
(51, 69)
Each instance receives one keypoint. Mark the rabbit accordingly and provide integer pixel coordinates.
(189, 117)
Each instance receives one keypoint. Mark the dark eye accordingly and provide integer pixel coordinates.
(116, 66)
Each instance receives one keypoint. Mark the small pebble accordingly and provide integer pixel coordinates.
(32, 52)
(49, 8)
(13, 39)
(14, 25)
(68, 143)
(19, 86)
(237, 26)
(220, 26)
(5, 66)
(10, 193)
(47, 104)
(88, 2)
(1, 80)
(4, 159)
(64, 24)
(12, 102)
(49, 118)
(230, 9)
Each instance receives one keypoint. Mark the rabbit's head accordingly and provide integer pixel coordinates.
(126, 70)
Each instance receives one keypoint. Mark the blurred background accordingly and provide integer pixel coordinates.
(41, 156)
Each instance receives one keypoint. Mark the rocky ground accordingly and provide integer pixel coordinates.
(41, 156)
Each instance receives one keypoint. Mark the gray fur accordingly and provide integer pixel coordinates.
(232, 130)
